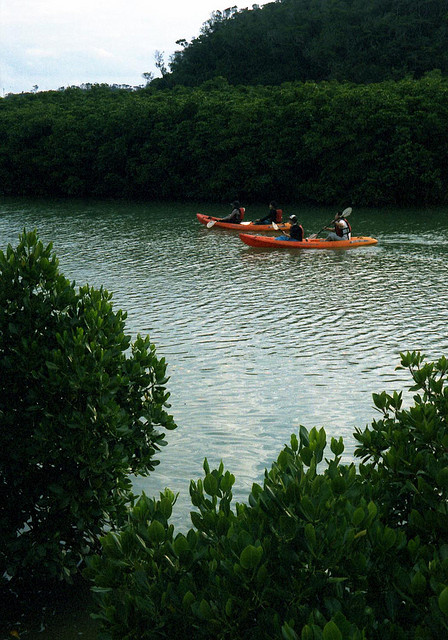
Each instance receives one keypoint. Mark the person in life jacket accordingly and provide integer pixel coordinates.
(296, 231)
(341, 230)
(237, 214)
(273, 215)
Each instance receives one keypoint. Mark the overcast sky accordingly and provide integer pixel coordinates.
(59, 43)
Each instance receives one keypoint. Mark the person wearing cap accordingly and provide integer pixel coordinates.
(236, 215)
(341, 230)
(296, 231)
(271, 216)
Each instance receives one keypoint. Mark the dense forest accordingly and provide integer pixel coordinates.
(298, 100)
(345, 40)
(365, 144)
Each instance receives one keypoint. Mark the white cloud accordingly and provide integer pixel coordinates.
(40, 53)
(54, 43)
(102, 53)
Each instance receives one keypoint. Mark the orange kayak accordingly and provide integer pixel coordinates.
(309, 243)
(247, 226)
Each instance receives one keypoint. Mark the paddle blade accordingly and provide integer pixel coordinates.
(211, 224)
(275, 226)
(347, 212)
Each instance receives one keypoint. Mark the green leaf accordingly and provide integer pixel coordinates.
(389, 538)
(337, 446)
(205, 611)
(443, 601)
(196, 519)
(304, 436)
(288, 632)
(211, 485)
(331, 631)
(310, 534)
(307, 633)
(306, 455)
(250, 556)
(188, 600)
(294, 442)
(372, 509)
(166, 507)
(156, 532)
(358, 516)
(283, 460)
(418, 583)
(180, 544)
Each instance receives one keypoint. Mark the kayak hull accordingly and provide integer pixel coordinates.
(247, 226)
(310, 243)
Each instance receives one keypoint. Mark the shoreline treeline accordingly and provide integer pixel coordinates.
(371, 145)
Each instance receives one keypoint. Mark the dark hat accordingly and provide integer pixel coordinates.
(235, 203)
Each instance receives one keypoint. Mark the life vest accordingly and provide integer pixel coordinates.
(278, 216)
(346, 231)
(242, 212)
(300, 232)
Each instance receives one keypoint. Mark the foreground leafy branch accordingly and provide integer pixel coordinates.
(78, 414)
(342, 553)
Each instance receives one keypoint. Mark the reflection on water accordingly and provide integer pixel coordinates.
(257, 341)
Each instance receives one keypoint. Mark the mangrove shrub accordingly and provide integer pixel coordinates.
(329, 142)
(321, 551)
(80, 409)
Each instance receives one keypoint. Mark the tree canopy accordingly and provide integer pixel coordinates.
(325, 142)
(289, 40)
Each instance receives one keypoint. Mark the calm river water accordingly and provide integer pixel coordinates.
(257, 342)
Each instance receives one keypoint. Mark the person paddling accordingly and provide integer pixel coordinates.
(273, 215)
(296, 231)
(341, 230)
(237, 214)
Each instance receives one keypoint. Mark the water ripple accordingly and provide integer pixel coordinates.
(257, 342)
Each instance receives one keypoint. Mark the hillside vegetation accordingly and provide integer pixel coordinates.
(289, 40)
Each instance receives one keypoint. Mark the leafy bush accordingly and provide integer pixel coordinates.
(330, 554)
(77, 414)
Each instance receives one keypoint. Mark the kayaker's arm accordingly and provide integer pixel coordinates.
(283, 232)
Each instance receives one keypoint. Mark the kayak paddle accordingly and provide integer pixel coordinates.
(277, 228)
(345, 214)
(213, 222)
